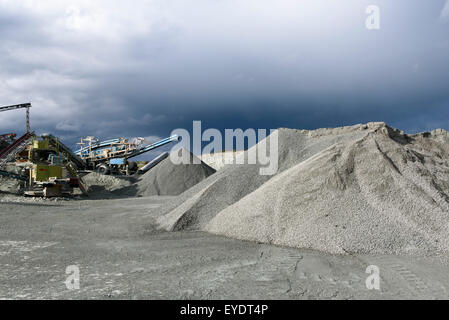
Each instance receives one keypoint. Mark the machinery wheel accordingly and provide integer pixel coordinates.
(104, 169)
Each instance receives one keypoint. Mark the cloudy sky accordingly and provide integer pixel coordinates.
(145, 67)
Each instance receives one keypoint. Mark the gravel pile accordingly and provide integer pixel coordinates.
(8, 185)
(102, 186)
(361, 189)
(168, 179)
(195, 208)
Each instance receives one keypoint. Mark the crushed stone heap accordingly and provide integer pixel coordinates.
(168, 179)
(359, 189)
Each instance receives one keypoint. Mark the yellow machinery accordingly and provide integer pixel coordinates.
(50, 172)
(49, 168)
(43, 173)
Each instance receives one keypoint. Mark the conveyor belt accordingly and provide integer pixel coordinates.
(8, 154)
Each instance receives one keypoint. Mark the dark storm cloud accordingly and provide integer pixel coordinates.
(111, 69)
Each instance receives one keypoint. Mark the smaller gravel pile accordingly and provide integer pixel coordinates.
(99, 185)
(168, 179)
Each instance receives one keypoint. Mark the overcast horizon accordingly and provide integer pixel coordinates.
(109, 68)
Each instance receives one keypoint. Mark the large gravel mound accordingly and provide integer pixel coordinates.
(361, 189)
(196, 207)
(384, 193)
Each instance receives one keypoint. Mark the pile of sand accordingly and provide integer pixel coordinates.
(168, 179)
(361, 189)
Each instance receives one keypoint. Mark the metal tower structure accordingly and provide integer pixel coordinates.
(26, 106)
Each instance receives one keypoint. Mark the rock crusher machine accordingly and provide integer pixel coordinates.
(44, 165)
(52, 169)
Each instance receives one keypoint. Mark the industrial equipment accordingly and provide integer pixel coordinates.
(112, 156)
(153, 163)
(6, 140)
(9, 153)
(10, 148)
(51, 172)
(47, 166)
(26, 106)
(67, 152)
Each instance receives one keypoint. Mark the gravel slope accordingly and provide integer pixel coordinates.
(167, 179)
(375, 195)
(361, 189)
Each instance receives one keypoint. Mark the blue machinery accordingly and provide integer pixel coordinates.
(111, 156)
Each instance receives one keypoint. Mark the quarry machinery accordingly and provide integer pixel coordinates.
(51, 167)
(26, 106)
(9, 147)
(7, 139)
(44, 166)
(112, 156)
(10, 153)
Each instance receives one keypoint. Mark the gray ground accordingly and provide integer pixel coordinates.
(122, 256)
